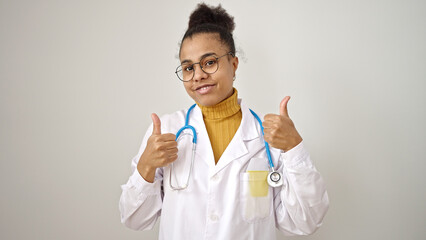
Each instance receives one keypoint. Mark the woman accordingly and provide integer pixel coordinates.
(223, 192)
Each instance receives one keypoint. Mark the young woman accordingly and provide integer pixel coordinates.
(228, 185)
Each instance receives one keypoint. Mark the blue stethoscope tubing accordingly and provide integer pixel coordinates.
(187, 126)
(268, 151)
(274, 178)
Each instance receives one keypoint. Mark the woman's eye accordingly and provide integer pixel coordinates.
(210, 62)
(188, 69)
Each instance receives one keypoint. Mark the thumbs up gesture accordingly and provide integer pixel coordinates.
(279, 130)
(161, 150)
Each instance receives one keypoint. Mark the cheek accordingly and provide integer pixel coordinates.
(227, 73)
(187, 87)
(226, 79)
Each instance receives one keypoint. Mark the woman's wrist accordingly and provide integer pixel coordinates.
(148, 173)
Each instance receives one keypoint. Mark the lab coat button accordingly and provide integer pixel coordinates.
(214, 217)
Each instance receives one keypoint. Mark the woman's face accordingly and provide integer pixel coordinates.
(208, 89)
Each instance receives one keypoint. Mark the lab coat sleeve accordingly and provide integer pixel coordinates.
(302, 202)
(141, 201)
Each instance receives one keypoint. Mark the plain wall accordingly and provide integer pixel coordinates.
(79, 80)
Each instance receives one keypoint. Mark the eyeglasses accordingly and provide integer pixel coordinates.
(208, 64)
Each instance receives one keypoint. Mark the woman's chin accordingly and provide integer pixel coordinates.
(207, 102)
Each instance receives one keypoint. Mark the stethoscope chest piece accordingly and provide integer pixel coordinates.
(275, 179)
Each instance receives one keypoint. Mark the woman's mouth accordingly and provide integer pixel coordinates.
(204, 89)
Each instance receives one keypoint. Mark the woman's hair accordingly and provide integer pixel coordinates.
(207, 19)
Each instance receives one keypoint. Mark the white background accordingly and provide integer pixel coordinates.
(79, 79)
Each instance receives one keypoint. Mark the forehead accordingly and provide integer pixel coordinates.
(194, 47)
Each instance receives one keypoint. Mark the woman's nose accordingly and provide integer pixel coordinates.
(199, 74)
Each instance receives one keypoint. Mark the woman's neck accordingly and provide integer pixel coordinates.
(226, 108)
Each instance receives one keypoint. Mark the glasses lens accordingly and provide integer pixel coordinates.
(179, 72)
(209, 64)
(184, 75)
(185, 72)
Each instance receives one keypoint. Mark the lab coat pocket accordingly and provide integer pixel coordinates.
(255, 196)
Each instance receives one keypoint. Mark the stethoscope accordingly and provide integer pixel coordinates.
(274, 178)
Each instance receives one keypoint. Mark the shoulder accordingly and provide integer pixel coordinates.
(172, 122)
(249, 111)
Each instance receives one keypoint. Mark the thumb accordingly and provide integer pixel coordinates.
(283, 106)
(156, 130)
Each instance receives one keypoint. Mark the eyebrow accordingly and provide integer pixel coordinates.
(203, 56)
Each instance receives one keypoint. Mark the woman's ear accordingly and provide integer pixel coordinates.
(235, 64)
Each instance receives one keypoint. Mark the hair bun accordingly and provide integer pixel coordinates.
(205, 14)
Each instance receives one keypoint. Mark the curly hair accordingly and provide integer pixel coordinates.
(208, 19)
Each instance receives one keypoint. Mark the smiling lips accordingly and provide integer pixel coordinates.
(204, 89)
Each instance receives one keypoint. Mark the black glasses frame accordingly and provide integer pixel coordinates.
(193, 70)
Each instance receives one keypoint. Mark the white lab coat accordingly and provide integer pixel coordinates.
(217, 203)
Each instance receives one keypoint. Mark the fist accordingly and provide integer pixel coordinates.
(161, 150)
(279, 130)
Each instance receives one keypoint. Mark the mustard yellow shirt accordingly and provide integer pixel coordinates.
(222, 121)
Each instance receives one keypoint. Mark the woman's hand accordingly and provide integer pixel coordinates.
(161, 150)
(279, 130)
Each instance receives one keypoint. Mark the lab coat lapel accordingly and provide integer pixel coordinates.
(237, 148)
(204, 149)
